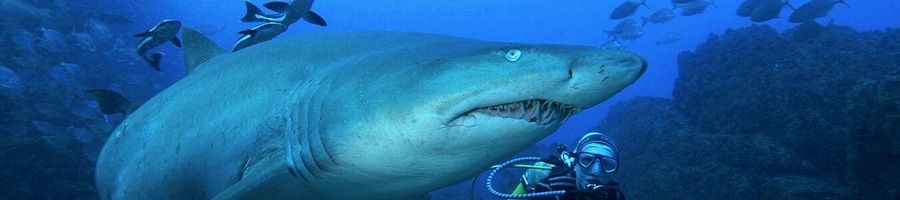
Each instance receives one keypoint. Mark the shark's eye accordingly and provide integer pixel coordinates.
(513, 55)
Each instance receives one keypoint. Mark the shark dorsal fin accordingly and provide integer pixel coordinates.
(198, 48)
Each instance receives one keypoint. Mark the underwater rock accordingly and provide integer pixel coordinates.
(874, 112)
(760, 114)
(663, 159)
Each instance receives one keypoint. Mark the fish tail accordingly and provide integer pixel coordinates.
(154, 59)
(843, 2)
(644, 2)
(610, 35)
(788, 4)
(252, 12)
(645, 20)
(111, 102)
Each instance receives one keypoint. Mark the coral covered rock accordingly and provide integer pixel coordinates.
(760, 114)
(874, 112)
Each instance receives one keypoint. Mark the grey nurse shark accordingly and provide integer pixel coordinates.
(353, 115)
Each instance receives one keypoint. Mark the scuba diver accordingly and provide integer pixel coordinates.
(579, 175)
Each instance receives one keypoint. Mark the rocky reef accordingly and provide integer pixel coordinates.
(758, 114)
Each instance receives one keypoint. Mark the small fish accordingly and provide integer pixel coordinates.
(84, 41)
(695, 7)
(52, 40)
(813, 10)
(746, 8)
(9, 79)
(22, 40)
(287, 13)
(111, 102)
(668, 39)
(627, 9)
(165, 31)
(110, 18)
(660, 16)
(627, 30)
(256, 35)
(768, 9)
(99, 30)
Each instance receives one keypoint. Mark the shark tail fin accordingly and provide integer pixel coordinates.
(153, 59)
(111, 102)
(252, 12)
(198, 48)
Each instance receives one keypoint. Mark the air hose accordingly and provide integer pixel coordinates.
(490, 187)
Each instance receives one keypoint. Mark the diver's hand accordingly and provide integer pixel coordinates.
(597, 191)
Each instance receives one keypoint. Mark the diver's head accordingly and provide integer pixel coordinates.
(596, 157)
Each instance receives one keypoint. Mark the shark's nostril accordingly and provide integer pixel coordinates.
(626, 61)
(633, 62)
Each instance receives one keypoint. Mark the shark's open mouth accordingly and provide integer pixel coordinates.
(536, 111)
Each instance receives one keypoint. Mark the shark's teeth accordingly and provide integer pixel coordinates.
(537, 111)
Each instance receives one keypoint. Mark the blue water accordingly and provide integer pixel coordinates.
(578, 22)
(526, 21)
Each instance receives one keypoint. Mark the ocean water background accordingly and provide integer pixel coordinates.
(578, 22)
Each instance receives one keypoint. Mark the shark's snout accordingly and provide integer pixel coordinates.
(596, 75)
(643, 67)
(630, 62)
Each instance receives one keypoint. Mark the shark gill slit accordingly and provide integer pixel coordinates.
(308, 158)
(327, 154)
(301, 114)
(291, 135)
(315, 139)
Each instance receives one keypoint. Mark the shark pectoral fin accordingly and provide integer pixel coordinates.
(143, 34)
(277, 6)
(269, 177)
(176, 42)
(198, 49)
(314, 18)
